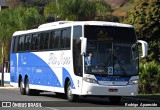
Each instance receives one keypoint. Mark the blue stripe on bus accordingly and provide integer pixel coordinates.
(31, 63)
(111, 78)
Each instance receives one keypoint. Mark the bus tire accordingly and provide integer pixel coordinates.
(22, 89)
(27, 90)
(30, 91)
(114, 99)
(71, 97)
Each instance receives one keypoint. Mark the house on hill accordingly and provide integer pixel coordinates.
(3, 4)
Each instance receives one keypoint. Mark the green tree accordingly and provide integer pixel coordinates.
(77, 9)
(146, 18)
(103, 10)
(20, 18)
(50, 12)
(7, 27)
(27, 18)
(39, 4)
(149, 77)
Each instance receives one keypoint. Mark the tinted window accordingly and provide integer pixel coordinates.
(52, 39)
(125, 34)
(41, 41)
(37, 41)
(21, 43)
(27, 42)
(33, 41)
(119, 34)
(46, 40)
(66, 35)
(77, 32)
(57, 38)
(62, 39)
(77, 58)
(15, 44)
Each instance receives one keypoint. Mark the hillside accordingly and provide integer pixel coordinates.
(120, 7)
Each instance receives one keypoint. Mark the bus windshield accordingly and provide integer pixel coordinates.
(111, 51)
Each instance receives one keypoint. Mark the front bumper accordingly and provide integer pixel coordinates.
(101, 90)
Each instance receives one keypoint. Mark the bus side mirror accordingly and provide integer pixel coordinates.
(83, 45)
(144, 48)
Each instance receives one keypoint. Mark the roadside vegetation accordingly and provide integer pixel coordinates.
(149, 78)
(142, 14)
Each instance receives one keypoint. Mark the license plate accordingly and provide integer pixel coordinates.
(112, 90)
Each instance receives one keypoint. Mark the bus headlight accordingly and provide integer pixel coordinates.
(90, 80)
(135, 81)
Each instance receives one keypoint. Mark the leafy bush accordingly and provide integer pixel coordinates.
(149, 77)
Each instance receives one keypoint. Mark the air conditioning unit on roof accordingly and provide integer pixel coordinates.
(54, 24)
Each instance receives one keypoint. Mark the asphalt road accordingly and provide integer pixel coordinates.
(49, 101)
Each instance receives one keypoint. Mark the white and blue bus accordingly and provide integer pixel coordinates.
(52, 58)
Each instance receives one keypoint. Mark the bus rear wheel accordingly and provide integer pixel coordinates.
(22, 90)
(71, 97)
(29, 91)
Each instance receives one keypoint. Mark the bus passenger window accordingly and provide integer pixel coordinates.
(62, 39)
(37, 40)
(67, 35)
(15, 44)
(21, 43)
(57, 36)
(67, 43)
(41, 41)
(27, 42)
(52, 39)
(46, 40)
(33, 43)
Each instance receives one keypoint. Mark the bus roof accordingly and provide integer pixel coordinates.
(60, 24)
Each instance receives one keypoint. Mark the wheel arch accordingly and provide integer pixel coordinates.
(19, 79)
(26, 76)
(65, 84)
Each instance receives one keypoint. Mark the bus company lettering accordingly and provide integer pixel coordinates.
(112, 79)
(52, 59)
(63, 60)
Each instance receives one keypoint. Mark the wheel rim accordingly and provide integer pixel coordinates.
(21, 87)
(27, 87)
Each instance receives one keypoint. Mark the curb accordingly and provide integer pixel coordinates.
(7, 86)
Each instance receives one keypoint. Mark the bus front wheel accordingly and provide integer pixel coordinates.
(71, 97)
